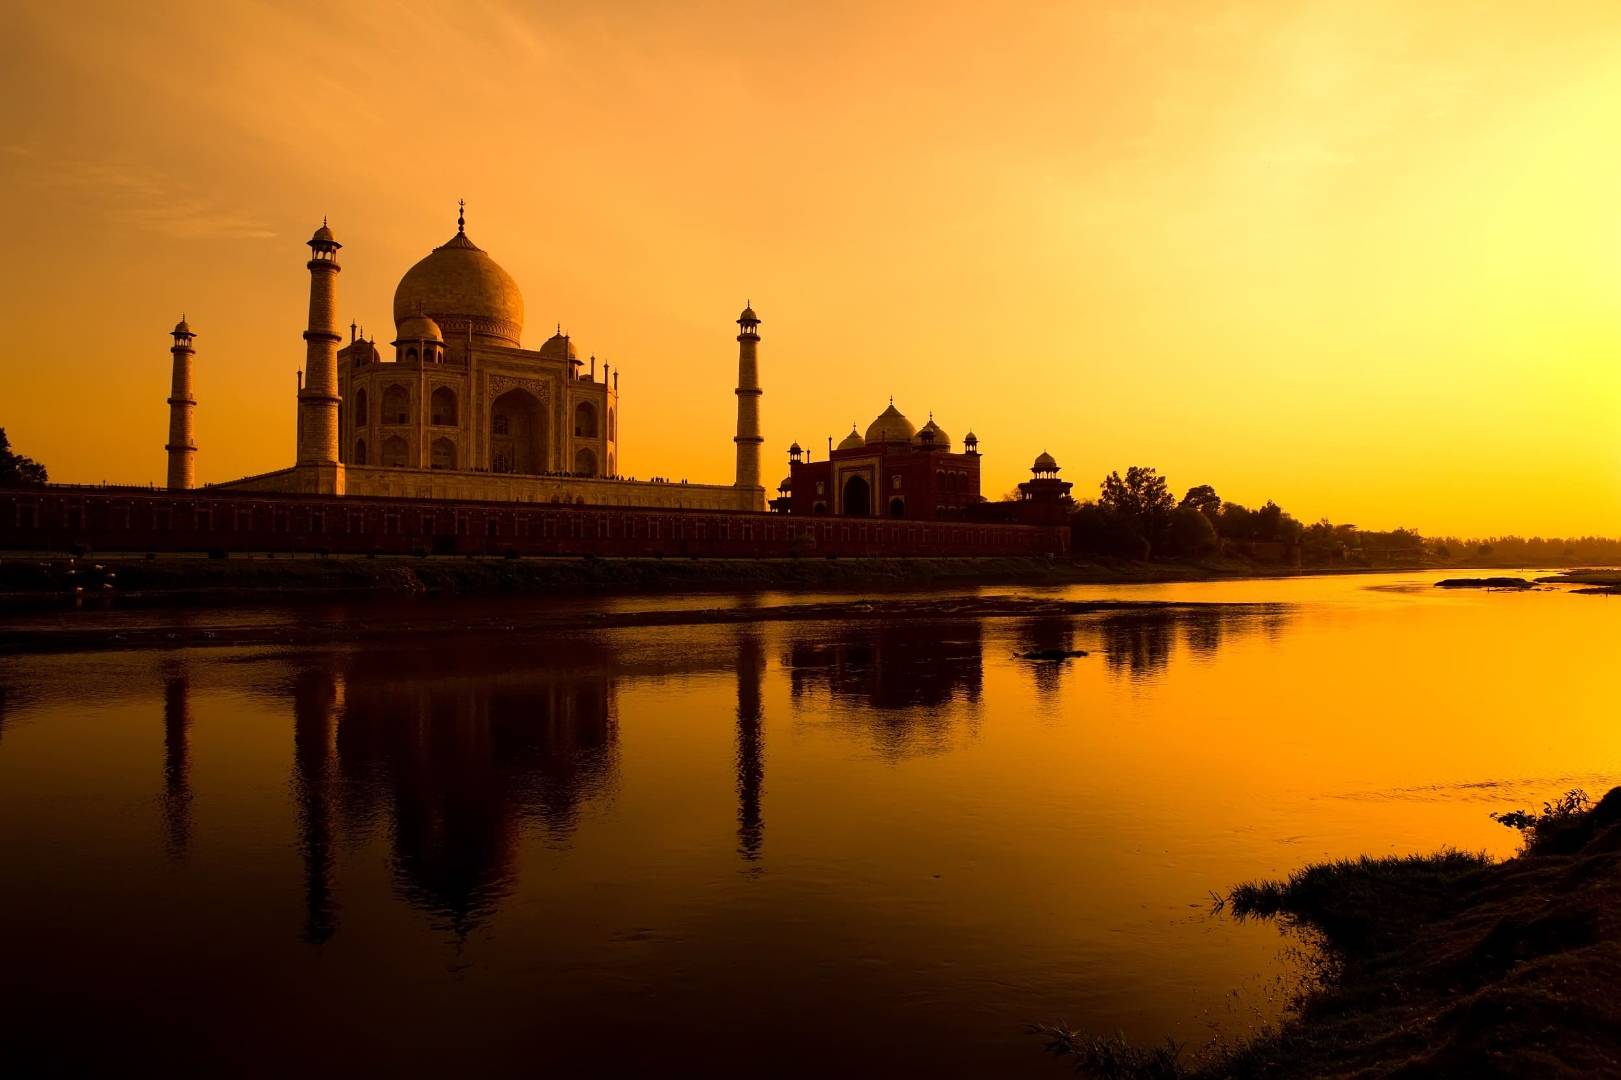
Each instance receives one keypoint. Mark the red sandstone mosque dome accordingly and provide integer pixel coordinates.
(932, 436)
(459, 286)
(890, 426)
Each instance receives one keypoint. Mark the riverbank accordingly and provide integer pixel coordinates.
(403, 621)
(1447, 965)
(202, 581)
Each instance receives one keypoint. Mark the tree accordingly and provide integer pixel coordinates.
(1236, 522)
(1204, 499)
(1142, 496)
(1097, 530)
(1275, 526)
(17, 470)
(1189, 532)
(1142, 501)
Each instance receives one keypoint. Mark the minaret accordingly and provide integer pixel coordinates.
(182, 445)
(748, 438)
(318, 397)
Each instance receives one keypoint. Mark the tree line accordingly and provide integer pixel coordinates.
(1137, 516)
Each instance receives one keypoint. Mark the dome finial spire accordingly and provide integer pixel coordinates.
(461, 215)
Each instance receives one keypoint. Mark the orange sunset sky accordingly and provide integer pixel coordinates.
(1363, 258)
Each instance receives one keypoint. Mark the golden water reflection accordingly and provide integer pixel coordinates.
(841, 830)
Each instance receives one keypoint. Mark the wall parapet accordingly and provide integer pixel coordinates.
(216, 520)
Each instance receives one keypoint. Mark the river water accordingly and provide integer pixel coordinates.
(876, 846)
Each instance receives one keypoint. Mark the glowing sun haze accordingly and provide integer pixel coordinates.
(1360, 258)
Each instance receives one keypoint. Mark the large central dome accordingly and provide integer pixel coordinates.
(459, 286)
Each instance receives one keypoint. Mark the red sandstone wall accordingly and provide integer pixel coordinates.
(138, 519)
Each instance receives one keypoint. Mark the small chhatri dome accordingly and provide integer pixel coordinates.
(460, 287)
(933, 436)
(890, 427)
(795, 448)
(182, 327)
(1044, 463)
(787, 484)
(852, 441)
(420, 328)
(558, 347)
(970, 439)
(748, 315)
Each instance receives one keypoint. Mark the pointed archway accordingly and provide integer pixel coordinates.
(857, 500)
(517, 433)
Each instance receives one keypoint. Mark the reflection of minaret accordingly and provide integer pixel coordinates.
(314, 706)
(750, 743)
(177, 763)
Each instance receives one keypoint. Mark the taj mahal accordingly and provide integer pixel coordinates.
(454, 439)
(455, 407)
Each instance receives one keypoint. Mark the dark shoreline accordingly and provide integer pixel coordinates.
(199, 581)
(396, 623)
(378, 597)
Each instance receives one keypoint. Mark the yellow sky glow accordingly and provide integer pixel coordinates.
(1363, 258)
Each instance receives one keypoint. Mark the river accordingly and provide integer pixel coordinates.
(872, 845)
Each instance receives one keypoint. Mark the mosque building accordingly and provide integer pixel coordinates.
(454, 407)
(894, 470)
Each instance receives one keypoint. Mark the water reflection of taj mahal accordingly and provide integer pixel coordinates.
(454, 754)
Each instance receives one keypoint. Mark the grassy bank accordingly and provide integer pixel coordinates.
(203, 580)
(1594, 582)
(1447, 965)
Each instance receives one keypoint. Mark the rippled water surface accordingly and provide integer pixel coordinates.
(777, 847)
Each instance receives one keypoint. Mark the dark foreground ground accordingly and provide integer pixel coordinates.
(1440, 966)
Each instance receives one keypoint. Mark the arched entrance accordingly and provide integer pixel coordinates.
(857, 497)
(442, 407)
(394, 452)
(897, 507)
(517, 434)
(585, 420)
(442, 454)
(585, 462)
(396, 405)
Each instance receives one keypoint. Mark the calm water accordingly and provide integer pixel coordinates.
(770, 848)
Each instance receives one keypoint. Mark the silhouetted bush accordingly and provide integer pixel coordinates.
(1097, 530)
(1189, 534)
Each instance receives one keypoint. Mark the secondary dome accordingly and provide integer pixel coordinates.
(852, 441)
(461, 288)
(1045, 462)
(890, 427)
(418, 328)
(559, 347)
(932, 436)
